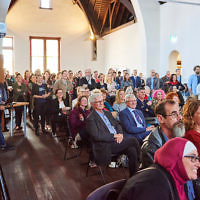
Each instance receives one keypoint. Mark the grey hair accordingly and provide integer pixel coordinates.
(93, 96)
(128, 96)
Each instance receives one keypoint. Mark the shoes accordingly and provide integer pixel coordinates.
(74, 145)
(113, 165)
(53, 134)
(18, 128)
(92, 164)
(7, 147)
(5, 130)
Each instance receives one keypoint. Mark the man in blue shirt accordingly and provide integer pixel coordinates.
(194, 80)
(107, 138)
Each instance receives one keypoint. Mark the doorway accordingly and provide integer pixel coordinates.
(174, 61)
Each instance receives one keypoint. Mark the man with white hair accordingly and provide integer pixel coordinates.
(88, 80)
(132, 120)
(107, 138)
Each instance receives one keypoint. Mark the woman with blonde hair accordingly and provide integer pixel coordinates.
(119, 103)
(111, 85)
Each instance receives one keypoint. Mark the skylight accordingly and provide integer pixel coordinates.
(45, 4)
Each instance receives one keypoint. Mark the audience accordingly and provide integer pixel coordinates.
(108, 128)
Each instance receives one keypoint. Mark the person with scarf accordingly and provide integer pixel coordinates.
(175, 163)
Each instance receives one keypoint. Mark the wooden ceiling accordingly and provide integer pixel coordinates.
(104, 16)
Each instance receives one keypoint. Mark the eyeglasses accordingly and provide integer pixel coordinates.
(174, 114)
(193, 158)
(99, 101)
(132, 101)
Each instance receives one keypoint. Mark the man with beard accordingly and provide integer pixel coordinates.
(194, 80)
(168, 116)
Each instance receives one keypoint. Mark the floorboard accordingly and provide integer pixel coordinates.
(36, 169)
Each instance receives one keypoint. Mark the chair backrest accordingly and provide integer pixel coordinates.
(152, 121)
(109, 191)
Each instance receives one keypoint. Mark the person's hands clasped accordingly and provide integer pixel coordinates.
(150, 128)
(118, 137)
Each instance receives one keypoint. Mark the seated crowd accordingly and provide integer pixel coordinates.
(111, 114)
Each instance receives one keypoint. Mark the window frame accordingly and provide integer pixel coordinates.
(9, 48)
(45, 50)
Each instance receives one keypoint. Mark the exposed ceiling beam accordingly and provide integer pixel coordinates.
(115, 13)
(129, 6)
(89, 14)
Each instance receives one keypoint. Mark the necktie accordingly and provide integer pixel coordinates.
(139, 120)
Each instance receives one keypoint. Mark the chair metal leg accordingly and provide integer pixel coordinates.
(101, 173)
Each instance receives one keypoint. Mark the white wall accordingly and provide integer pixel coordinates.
(148, 14)
(124, 49)
(180, 20)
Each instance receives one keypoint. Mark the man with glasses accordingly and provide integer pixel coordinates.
(132, 120)
(107, 138)
(168, 116)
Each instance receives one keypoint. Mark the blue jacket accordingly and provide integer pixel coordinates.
(129, 125)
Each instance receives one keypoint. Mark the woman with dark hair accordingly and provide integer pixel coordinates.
(101, 83)
(59, 111)
(126, 82)
(77, 118)
(175, 163)
(174, 82)
(19, 95)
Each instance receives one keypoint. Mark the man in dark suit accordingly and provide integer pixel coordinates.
(88, 80)
(136, 80)
(152, 81)
(107, 138)
(132, 120)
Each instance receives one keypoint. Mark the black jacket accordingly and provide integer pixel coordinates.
(90, 86)
(100, 136)
(150, 145)
(55, 110)
(150, 184)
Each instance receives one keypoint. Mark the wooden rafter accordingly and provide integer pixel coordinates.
(114, 17)
(129, 6)
(120, 16)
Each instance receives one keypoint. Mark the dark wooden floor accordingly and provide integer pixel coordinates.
(36, 170)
